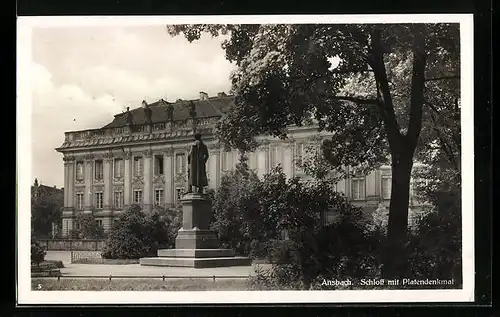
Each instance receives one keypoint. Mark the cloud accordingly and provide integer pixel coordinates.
(85, 75)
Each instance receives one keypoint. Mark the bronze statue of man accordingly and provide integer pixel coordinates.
(197, 159)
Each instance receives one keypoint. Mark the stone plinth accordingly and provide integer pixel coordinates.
(196, 245)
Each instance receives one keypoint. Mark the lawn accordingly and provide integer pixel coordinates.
(69, 284)
(106, 261)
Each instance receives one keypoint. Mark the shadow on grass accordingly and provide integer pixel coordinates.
(68, 284)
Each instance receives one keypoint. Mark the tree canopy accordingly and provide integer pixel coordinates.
(375, 87)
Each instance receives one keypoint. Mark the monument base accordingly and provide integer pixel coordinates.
(197, 258)
(195, 245)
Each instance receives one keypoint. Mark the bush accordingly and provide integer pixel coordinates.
(237, 213)
(37, 253)
(435, 248)
(88, 227)
(137, 235)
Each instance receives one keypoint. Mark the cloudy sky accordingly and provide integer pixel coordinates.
(82, 76)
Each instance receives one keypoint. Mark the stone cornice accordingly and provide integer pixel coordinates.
(89, 157)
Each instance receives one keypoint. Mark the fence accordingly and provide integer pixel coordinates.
(72, 244)
(163, 277)
(81, 256)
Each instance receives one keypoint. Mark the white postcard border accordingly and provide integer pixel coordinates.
(24, 62)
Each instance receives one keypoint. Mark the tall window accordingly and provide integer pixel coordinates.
(252, 160)
(79, 201)
(79, 171)
(138, 168)
(227, 159)
(98, 169)
(138, 196)
(158, 168)
(159, 197)
(180, 163)
(99, 223)
(273, 156)
(358, 188)
(386, 187)
(118, 168)
(118, 200)
(98, 200)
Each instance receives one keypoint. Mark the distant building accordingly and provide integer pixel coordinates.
(141, 157)
(41, 192)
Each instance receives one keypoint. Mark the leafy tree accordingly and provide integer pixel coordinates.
(87, 227)
(37, 253)
(137, 235)
(45, 210)
(237, 215)
(366, 84)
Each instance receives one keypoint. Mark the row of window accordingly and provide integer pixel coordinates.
(138, 167)
(118, 199)
(357, 193)
(228, 161)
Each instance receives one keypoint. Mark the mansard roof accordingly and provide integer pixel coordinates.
(205, 108)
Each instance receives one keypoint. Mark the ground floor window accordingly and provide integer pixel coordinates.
(118, 200)
(138, 196)
(158, 197)
(358, 188)
(79, 201)
(98, 200)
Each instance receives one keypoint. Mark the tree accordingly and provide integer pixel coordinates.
(45, 210)
(137, 235)
(37, 253)
(87, 226)
(287, 74)
(237, 216)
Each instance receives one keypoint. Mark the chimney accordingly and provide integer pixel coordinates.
(203, 95)
(144, 104)
(221, 94)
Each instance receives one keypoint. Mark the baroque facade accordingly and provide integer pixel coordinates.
(141, 157)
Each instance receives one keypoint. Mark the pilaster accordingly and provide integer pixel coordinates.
(168, 171)
(89, 164)
(107, 174)
(127, 179)
(147, 194)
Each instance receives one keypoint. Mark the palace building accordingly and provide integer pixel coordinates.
(141, 157)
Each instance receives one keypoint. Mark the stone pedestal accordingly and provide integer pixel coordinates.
(196, 245)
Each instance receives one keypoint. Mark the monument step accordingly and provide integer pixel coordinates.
(196, 262)
(195, 253)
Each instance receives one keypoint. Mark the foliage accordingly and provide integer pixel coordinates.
(137, 235)
(87, 226)
(366, 84)
(237, 212)
(436, 247)
(37, 253)
(45, 210)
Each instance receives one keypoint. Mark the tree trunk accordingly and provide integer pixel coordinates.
(395, 258)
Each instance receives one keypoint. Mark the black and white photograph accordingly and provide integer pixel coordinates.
(245, 159)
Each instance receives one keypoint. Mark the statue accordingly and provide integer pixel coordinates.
(197, 159)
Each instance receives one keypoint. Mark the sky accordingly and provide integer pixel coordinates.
(82, 76)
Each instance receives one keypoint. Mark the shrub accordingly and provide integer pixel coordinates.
(237, 214)
(137, 235)
(88, 227)
(435, 248)
(37, 253)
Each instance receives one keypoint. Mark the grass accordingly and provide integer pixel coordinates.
(106, 261)
(68, 284)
